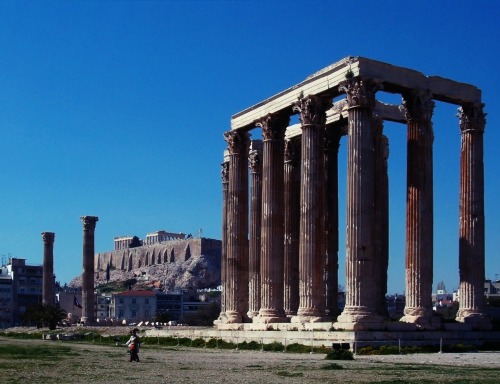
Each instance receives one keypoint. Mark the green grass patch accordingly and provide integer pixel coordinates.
(51, 352)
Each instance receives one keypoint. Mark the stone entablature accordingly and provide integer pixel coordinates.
(167, 252)
(358, 120)
(122, 242)
(162, 236)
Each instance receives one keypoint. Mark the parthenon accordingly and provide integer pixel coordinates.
(280, 200)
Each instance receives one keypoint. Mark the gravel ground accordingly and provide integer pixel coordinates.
(96, 363)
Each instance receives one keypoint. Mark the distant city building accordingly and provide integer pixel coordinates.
(492, 288)
(6, 298)
(70, 300)
(133, 306)
(27, 283)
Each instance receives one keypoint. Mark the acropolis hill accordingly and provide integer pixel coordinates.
(177, 263)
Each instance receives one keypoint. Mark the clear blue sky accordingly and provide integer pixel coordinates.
(117, 109)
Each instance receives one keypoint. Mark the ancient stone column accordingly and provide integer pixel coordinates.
(88, 298)
(223, 265)
(381, 214)
(272, 230)
(237, 228)
(48, 287)
(292, 226)
(255, 161)
(471, 246)
(312, 111)
(419, 209)
(332, 142)
(360, 310)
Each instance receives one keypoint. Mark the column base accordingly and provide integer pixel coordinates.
(252, 314)
(290, 314)
(222, 319)
(478, 320)
(359, 319)
(423, 318)
(309, 315)
(233, 317)
(309, 319)
(266, 316)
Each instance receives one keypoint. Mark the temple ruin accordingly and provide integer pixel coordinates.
(280, 201)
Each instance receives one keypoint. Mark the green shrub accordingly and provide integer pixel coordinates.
(251, 346)
(298, 348)
(339, 354)
(275, 346)
(198, 343)
(213, 343)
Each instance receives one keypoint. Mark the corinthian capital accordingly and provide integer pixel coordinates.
(312, 109)
(274, 126)
(472, 117)
(254, 161)
(360, 93)
(237, 141)
(89, 222)
(225, 172)
(419, 105)
(48, 237)
(292, 151)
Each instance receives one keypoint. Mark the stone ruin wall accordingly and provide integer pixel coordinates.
(166, 252)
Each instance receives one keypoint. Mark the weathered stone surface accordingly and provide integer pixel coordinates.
(200, 269)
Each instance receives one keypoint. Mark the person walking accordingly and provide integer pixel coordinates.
(133, 345)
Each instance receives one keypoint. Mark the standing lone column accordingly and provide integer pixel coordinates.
(272, 238)
(237, 228)
(419, 209)
(292, 226)
(255, 163)
(312, 111)
(88, 299)
(223, 262)
(48, 287)
(471, 246)
(360, 312)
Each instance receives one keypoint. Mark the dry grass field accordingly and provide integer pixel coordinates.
(47, 361)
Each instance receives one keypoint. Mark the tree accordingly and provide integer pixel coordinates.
(135, 242)
(107, 273)
(162, 317)
(44, 315)
(204, 316)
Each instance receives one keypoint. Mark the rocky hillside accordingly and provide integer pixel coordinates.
(197, 272)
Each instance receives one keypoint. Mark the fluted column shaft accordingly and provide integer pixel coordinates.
(88, 298)
(223, 266)
(419, 208)
(237, 228)
(360, 310)
(472, 236)
(255, 163)
(312, 111)
(272, 257)
(381, 214)
(332, 142)
(48, 287)
(292, 226)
